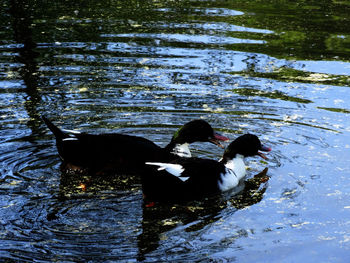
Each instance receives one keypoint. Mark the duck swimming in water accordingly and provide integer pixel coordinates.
(119, 153)
(193, 178)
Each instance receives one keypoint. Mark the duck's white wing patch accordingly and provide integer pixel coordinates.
(70, 139)
(228, 181)
(174, 169)
(72, 135)
(182, 150)
(71, 131)
(237, 165)
(234, 172)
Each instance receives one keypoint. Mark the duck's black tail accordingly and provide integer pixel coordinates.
(59, 134)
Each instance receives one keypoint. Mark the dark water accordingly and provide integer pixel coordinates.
(277, 69)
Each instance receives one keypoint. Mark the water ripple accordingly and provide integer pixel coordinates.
(142, 68)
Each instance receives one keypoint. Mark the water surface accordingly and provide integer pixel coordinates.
(278, 70)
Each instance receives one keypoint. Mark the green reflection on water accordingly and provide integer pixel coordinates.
(286, 74)
(334, 109)
(272, 95)
(296, 29)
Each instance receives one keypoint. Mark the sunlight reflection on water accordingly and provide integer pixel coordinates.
(146, 70)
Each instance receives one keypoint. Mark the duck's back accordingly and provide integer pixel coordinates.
(203, 175)
(197, 178)
(109, 152)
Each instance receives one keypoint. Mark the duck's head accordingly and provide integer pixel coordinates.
(245, 145)
(198, 131)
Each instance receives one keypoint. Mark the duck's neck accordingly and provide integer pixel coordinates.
(237, 165)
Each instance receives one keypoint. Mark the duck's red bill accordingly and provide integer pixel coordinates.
(220, 137)
(262, 155)
(265, 149)
(217, 138)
